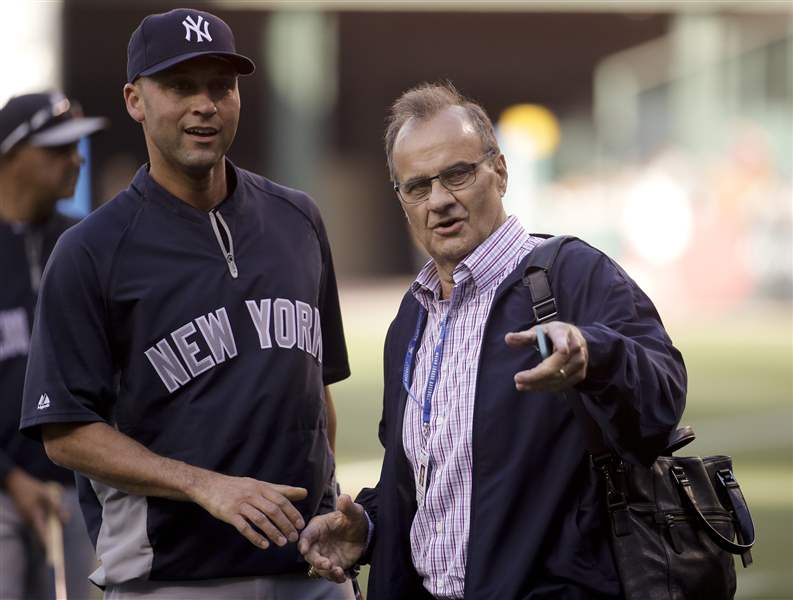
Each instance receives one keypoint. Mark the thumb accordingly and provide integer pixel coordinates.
(348, 508)
(521, 338)
(292, 493)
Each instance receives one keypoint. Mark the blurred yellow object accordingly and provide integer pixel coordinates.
(533, 122)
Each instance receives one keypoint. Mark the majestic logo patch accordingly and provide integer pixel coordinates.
(44, 402)
(195, 27)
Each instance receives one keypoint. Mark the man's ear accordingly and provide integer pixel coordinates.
(501, 171)
(134, 101)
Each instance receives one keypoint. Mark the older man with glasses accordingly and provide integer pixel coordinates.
(485, 490)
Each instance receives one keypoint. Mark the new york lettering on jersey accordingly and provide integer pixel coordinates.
(288, 323)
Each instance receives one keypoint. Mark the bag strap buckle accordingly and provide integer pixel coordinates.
(545, 310)
(680, 476)
(726, 478)
(615, 496)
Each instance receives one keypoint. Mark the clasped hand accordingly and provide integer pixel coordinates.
(334, 542)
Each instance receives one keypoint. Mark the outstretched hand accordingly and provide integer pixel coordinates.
(564, 368)
(333, 542)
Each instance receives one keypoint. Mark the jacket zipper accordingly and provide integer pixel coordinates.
(228, 253)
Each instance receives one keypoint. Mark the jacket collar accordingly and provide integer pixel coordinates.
(149, 189)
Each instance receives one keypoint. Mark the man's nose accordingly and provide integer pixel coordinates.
(75, 157)
(204, 104)
(439, 197)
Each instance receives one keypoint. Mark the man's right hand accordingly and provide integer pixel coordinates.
(104, 454)
(334, 542)
(34, 501)
(249, 504)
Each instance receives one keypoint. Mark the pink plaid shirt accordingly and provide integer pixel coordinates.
(439, 535)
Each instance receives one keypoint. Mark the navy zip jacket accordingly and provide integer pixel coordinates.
(205, 336)
(537, 525)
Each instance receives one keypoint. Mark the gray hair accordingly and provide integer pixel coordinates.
(424, 102)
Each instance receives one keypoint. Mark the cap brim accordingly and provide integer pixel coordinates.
(68, 132)
(243, 64)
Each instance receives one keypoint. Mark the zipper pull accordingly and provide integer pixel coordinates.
(232, 266)
(228, 253)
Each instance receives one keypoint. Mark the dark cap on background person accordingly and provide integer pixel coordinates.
(166, 39)
(44, 120)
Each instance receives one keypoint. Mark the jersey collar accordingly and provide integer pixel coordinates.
(149, 189)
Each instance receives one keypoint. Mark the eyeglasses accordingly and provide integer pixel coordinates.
(454, 179)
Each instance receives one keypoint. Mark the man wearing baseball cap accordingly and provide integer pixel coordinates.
(39, 165)
(189, 381)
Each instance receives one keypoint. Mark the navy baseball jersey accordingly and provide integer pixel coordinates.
(205, 336)
(23, 252)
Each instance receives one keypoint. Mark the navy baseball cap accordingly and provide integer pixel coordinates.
(166, 39)
(44, 119)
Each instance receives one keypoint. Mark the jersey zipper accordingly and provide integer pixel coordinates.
(228, 253)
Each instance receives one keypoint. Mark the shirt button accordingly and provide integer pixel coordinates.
(440, 420)
(440, 584)
(438, 527)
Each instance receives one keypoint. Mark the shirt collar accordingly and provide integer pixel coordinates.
(149, 189)
(483, 266)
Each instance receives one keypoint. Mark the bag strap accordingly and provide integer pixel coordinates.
(535, 277)
(745, 531)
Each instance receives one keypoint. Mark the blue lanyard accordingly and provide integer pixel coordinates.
(437, 357)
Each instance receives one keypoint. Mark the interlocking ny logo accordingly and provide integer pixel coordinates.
(195, 27)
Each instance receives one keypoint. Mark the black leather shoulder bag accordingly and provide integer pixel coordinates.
(676, 525)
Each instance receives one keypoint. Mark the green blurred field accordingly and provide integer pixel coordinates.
(740, 403)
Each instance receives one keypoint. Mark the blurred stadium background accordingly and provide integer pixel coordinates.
(661, 132)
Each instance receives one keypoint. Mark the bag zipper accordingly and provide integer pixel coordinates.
(228, 253)
(670, 520)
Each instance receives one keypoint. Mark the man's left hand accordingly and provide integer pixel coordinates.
(564, 368)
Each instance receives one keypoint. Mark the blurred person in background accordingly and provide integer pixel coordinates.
(39, 165)
(189, 383)
(486, 491)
